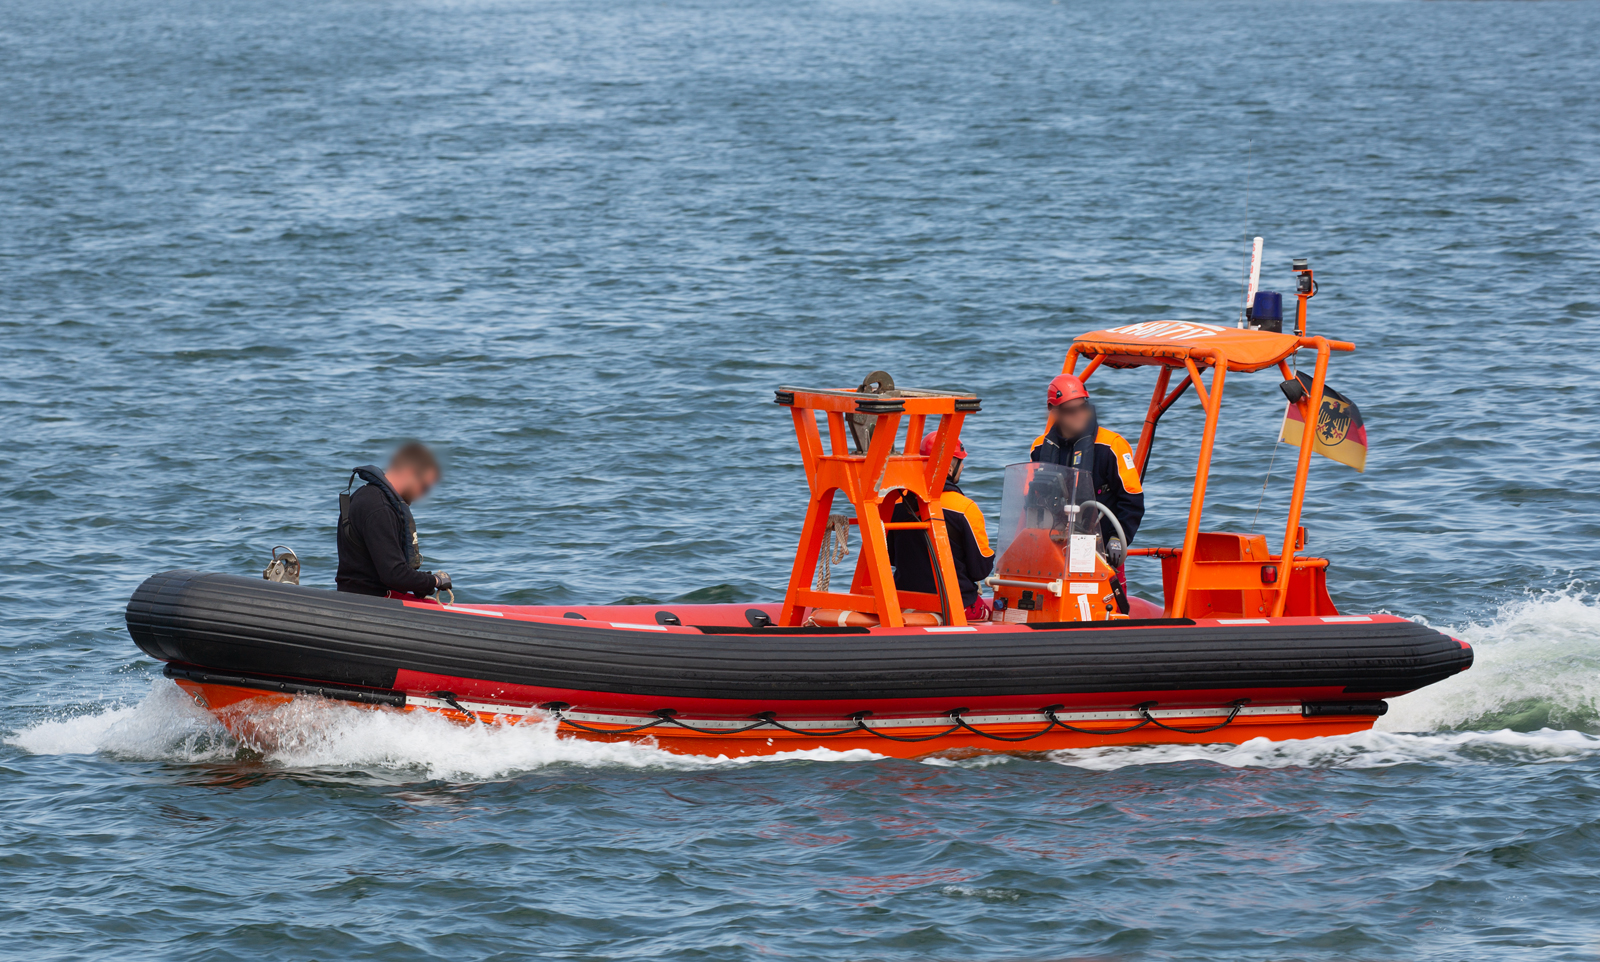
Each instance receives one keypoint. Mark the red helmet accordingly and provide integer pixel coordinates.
(1064, 388)
(927, 447)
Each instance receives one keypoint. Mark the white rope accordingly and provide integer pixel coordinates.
(1274, 460)
(835, 545)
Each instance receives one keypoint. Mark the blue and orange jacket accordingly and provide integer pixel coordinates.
(1116, 480)
(969, 547)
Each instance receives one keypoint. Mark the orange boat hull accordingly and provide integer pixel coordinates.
(245, 712)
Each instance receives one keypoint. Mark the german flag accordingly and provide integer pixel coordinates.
(1341, 433)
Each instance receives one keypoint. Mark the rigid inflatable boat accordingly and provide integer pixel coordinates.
(1247, 643)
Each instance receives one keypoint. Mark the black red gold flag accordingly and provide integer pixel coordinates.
(1341, 433)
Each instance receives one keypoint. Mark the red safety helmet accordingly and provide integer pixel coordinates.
(927, 447)
(1064, 388)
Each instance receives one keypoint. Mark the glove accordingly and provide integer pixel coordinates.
(1116, 553)
(980, 610)
(441, 581)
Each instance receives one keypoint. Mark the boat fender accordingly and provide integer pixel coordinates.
(841, 618)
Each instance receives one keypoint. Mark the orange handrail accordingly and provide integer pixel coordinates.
(1309, 406)
(1213, 407)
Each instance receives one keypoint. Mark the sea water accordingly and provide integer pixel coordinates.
(245, 246)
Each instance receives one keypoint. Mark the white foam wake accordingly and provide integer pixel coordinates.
(1536, 665)
(314, 733)
(1370, 749)
(166, 725)
(319, 735)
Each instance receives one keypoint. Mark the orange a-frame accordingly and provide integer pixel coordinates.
(873, 481)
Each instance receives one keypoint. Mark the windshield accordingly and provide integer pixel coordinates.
(1039, 517)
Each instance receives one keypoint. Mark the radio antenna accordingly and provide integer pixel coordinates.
(1251, 284)
(1253, 270)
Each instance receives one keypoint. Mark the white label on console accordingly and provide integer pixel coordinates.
(1080, 554)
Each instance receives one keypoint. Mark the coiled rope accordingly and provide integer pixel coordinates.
(667, 716)
(835, 545)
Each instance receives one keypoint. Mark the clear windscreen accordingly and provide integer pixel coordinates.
(1039, 513)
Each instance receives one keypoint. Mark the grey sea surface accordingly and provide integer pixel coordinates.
(245, 246)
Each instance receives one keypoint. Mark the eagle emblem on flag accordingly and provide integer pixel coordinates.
(1341, 434)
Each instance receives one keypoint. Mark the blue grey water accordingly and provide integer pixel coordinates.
(247, 245)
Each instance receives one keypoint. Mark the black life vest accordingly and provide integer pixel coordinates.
(372, 475)
(1078, 454)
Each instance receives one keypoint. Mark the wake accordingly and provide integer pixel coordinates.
(1536, 665)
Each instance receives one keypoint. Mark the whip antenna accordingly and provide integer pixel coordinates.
(1254, 273)
(1250, 286)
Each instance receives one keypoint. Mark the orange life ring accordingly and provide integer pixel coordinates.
(842, 618)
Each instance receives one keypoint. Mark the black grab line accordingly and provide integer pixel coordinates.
(667, 716)
(1144, 710)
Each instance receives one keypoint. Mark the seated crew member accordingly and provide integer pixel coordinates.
(969, 542)
(378, 550)
(1076, 440)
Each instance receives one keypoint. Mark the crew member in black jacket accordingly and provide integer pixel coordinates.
(969, 541)
(378, 551)
(1076, 440)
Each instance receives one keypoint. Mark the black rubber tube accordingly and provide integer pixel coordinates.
(232, 625)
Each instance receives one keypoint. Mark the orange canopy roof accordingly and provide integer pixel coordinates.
(1169, 342)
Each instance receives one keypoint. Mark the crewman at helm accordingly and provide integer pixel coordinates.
(1076, 440)
(969, 541)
